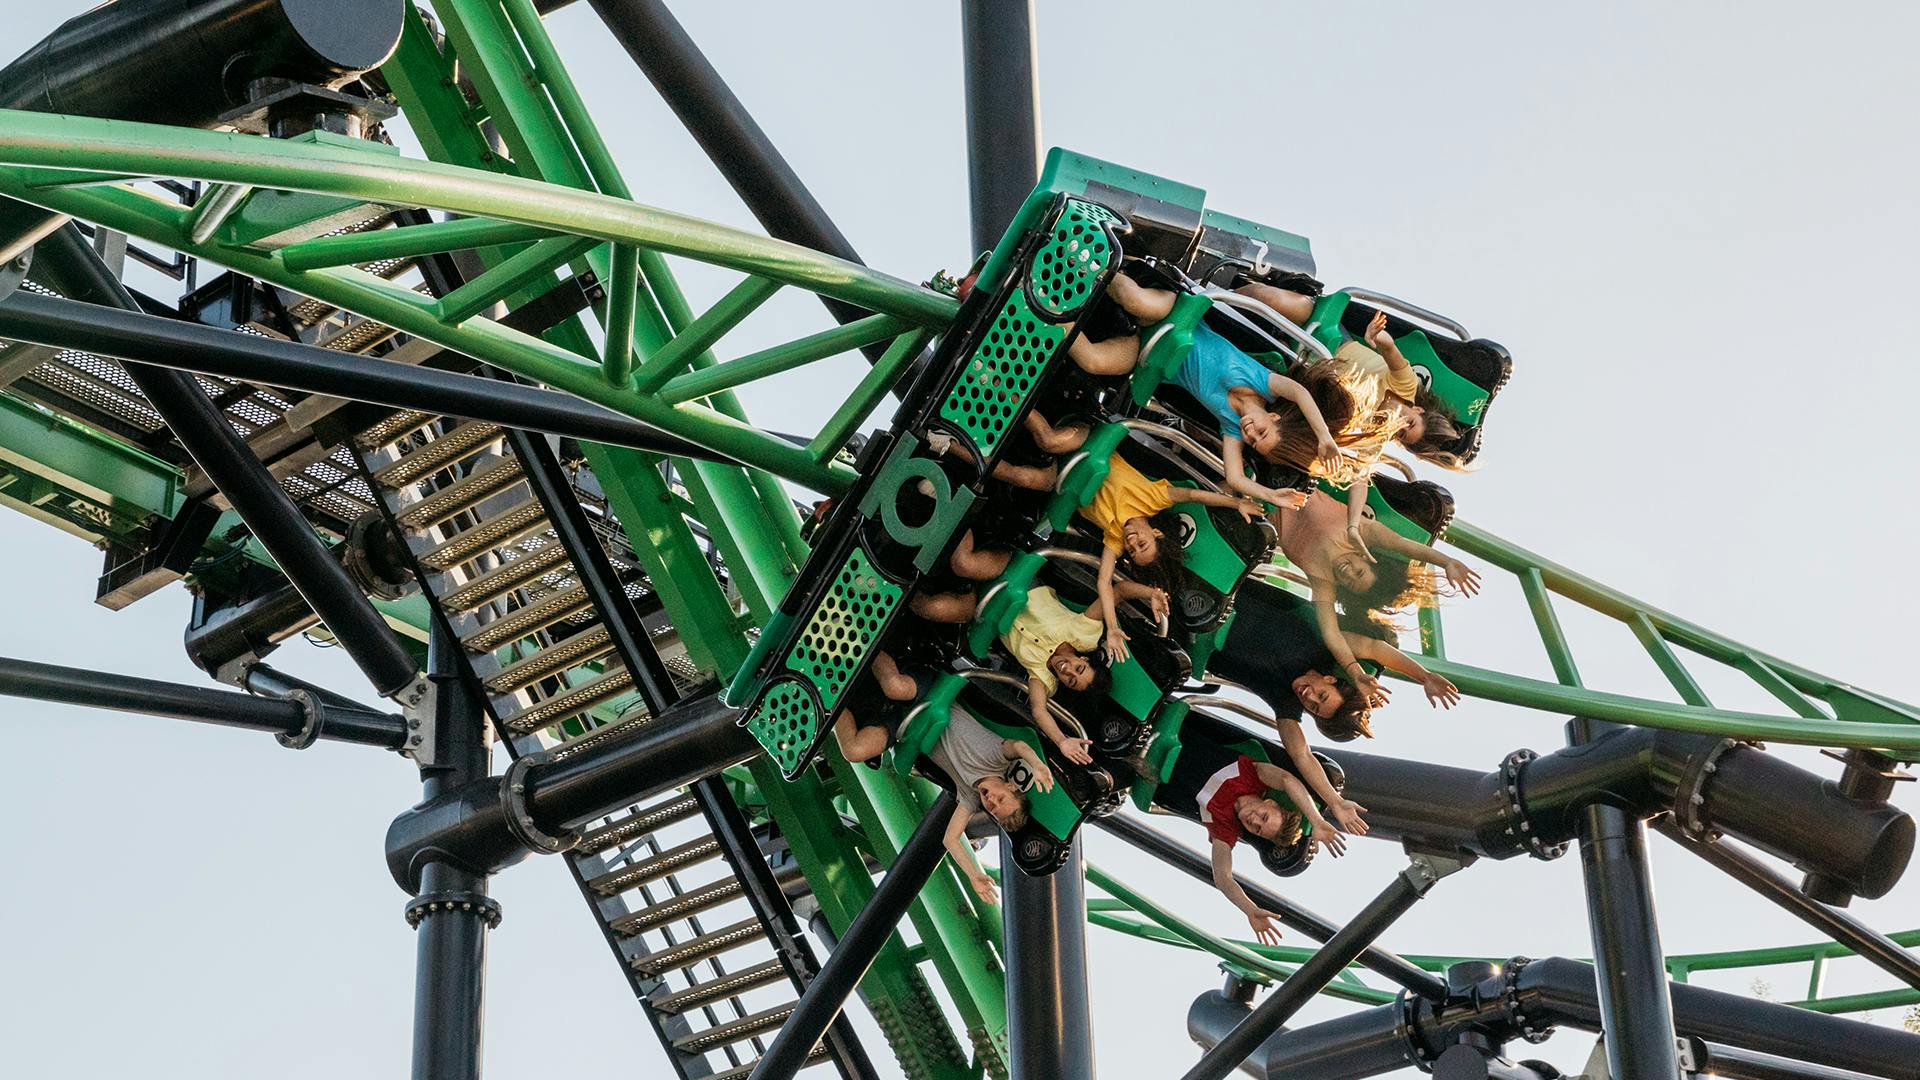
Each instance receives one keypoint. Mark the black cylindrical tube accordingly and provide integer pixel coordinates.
(1360, 1044)
(252, 491)
(1003, 122)
(1049, 1020)
(870, 929)
(185, 62)
(1171, 852)
(1626, 946)
(1870, 944)
(267, 681)
(1561, 991)
(1432, 807)
(1309, 979)
(205, 705)
(1733, 1063)
(184, 346)
(1788, 812)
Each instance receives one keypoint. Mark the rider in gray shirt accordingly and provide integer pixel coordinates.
(977, 759)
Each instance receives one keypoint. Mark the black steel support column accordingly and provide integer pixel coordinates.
(452, 912)
(1636, 1007)
(253, 492)
(1871, 945)
(1732, 1063)
(1320, 969)
(858, 946)
(1195, 865)
(295, 721)
(1049, 1021)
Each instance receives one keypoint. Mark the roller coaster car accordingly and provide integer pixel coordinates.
(1465, 373)
(1183, 725)
(911, 504)
(998, 701)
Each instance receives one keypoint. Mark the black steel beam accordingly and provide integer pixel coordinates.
(201, 704)
(1003, 120)
(1049, 1020)
(1733, 1063)
(1321, 968)
(452, 912)
(849, 961)
(1870, 944)
(252, 491)
(482, 825)
(1318, 927)
(185, 346)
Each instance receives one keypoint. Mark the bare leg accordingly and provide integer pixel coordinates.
(1114, 356)
(970, 562)
(1031, 477)
(858, 744)
(1055, 440)
(1147, 305)
(1296, 307)
(886, 672)
(944, 607)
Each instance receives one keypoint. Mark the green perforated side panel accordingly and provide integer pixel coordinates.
(843, 628)
(1067, 266)
(786, 723)
(1003, 371)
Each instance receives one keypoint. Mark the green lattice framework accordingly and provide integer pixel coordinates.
(555, 204)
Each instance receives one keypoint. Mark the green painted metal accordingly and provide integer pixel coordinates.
(413, 241)
(75, 478)
(701, 334)
(866, 396)
(779, 358)
(616, 361)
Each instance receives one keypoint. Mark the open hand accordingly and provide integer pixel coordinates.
(1346, 815)
(1265, 926)
(1328, 453)
(1116, 645)
(1078, 751)
(1463, 577)
(983, 887)
(1377, 335)
(1353, 534)
(1329, 837)
(1288, 498)
(1042, 776)
(1370, 688)
(1440, 691)
(1250, 510)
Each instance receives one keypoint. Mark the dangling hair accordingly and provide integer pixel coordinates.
(1442, 432)
(1398, 585)
(1362, 434)
(1165, 571)
(1352, 720)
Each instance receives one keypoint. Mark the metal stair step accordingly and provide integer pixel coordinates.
(520, 622)
(737, 1031)
(719, 989)
(582, 648)
(571, 703)
(691, 952)
(636, 825)
(455, 446)
(395, 427)
(741, 1072)
(677, 907)
(497, 531)
(655, 866)
(516, 573)
(468, 492)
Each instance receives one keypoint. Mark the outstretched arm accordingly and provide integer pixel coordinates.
(1357, 512)
(1249, 509)
(1335, 639)
(1078, 751)
(1234, 461)
(1018, 750)
(1346, 813)
(1440, 690)
(1282, 387)
(1116, 643)
(1463, 577)
(962, 854)
(1261, 920)
(1288, 784)
(1383, 344)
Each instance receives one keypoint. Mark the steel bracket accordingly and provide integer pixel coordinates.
(417, 701)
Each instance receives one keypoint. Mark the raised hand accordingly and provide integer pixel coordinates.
(1265, 928)
(1463, 577)
(1329, 837)
(1377, 335)
(1042, 776)
(1116, 645)
(1440, 691)
(1328, 453)
(1250, 510)
(983, 887)
(1346, 815)
(1078, 751)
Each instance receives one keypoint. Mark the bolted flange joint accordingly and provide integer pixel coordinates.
(434, 903)
(309, 729)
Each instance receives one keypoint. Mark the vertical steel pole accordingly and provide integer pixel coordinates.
(1636, 1008)
(1049, 1022)
(452, 913)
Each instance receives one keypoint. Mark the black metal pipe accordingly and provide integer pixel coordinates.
(1359, 1044)
(1049, 1020)
(690, 85)
(252, 491)
(452, 912)
(1733, 1063)
(1870, 944)
(472, 827)
(200, 704)
(1311, 977)
(870, 930)
(171, 343)
(1536, 805)
(1626, 946)
(1171, 852)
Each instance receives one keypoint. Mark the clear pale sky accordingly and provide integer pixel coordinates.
(1692, 224)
